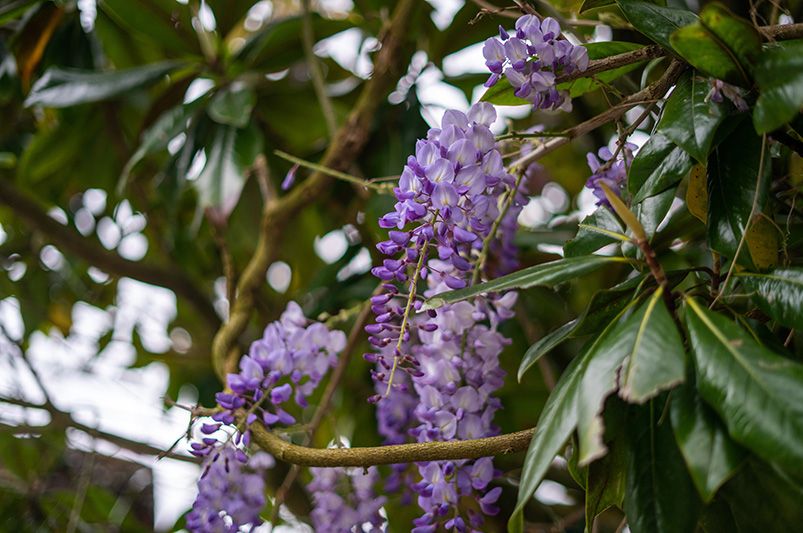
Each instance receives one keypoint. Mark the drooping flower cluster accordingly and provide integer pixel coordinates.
(345, 501)
(452, 194)
(289, 361)
(721, 90)
(609, 170)
(231, 490)
(532, 59)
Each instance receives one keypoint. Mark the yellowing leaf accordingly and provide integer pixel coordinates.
(762, 242)
(697, 193)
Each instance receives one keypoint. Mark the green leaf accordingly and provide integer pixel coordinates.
(64, 88)
(688, 120)
(594, 4)
(155, 22)
(734, 182)
(657, 360)
(656, 22)
(606, 480)
(711, 456)
(659, 165)
(229, 155)
(232, 105)
(14, 8)
(652, 211)
(602, 50)
(170, 124)
(546, 344)
(778, 293)
(598, 229)
(779, 74)
(758, 393)
(660, 495)
(705, 52)
(736, 33)
(544, 275)
(555, 425)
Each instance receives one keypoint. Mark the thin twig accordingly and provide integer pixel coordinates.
(368, 184)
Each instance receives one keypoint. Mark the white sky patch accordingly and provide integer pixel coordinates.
(279, 276)
(349, 49)
(360, 264)
(331, 246)
(198, 88)
(444, 12)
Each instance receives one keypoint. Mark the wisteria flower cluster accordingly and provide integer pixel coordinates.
(609, 170)
(289, 361)
(231, 489)
(532, 59)
(451, 356)
(344, 500)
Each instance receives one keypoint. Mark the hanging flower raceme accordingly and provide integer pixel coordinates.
(288, 362)
(609, 170)
(345, 501)
(452, 195)
(532, 59)
(231, 490)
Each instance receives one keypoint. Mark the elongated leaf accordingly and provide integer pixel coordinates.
(653, 210)
(545, 345)
(65, 88)
(736, 33)
(598, 229)
(222, 179)
(606, 478)
(706, 53)
(659, 165)
(758, 393)
(232, 106)
(654, 21)
(555, 425)
(734, 183)
(657, 360)
(594, 4)
(545, 275)
(762, 499)
(660, 496)
(688, 120)
(710, 454)
(778, 293)
(779, 74)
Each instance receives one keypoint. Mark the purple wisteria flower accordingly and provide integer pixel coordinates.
(289, 361)
(231, 490)
(449, 197)
(721, 90)
(612, 172)
(345, 500)
(532, 59)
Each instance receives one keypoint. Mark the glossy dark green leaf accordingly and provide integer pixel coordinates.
(706, 53)
(711, 456)
(779, 74)
(555, 425)
(158, 23)
(606, 478)
(736, 33)
(653, 210)
(501, 93)
(659, 164)
(657, 359)
(734, 183)
(660, 496)
(688, 120)
(654, 21)
(598, 229)
(546, 344)
(65, 88)
(232, 106)
(594, 4)
(762, 499)
(758, 393)
(778, 293)
(544, 275)
(229, 155)
(14, 8)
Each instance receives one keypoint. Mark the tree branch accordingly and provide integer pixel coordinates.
(386, 455)
(69, 240)
(346, 145)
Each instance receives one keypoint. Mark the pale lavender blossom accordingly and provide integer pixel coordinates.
(721, 90)
(345, 501)
(609, 171)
